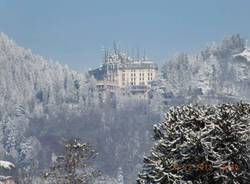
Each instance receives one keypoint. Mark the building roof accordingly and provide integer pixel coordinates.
(245, 54)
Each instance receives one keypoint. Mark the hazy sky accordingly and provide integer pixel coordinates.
(74, 31)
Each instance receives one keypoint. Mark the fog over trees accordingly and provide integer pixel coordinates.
(43, 103)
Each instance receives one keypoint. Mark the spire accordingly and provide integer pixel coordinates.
(115, 47)
(144, 54)
(138, 54)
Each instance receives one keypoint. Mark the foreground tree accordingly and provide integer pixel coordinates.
(72, 167)
(201, 145)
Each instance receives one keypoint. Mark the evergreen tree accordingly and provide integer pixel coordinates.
(72, 167)
(201, 145)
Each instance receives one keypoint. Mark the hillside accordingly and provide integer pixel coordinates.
(218, 73)
(43, 103)
(32, 88)
(31, 81)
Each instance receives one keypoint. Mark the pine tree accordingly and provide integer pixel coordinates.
(72, 167)
(201, 145)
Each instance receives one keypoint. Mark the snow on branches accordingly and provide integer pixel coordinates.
(200, 144)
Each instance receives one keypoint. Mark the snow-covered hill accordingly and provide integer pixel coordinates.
(218, 72)
(33, 82)
(30, 87)
(42, 102)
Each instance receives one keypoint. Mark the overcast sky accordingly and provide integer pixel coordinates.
(75, 31)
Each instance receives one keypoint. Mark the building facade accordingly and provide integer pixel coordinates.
(121, 72)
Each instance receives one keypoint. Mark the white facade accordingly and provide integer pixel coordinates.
(119, 71)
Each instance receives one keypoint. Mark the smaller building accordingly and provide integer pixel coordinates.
(119, 71)
(244, 56)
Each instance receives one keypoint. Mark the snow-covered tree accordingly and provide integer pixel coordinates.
(37, 96)
(200, 144)
(72, 167)
(215, 71)
(120, 178)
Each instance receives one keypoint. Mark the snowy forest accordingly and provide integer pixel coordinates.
(43, 104)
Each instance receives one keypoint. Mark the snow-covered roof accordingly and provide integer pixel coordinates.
(6, 165)
(245, 54)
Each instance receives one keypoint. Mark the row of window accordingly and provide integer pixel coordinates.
(141, 74)
(135, 70)
(133, 83)
(141, 79)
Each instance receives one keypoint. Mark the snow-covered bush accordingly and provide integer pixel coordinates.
(200, 144)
